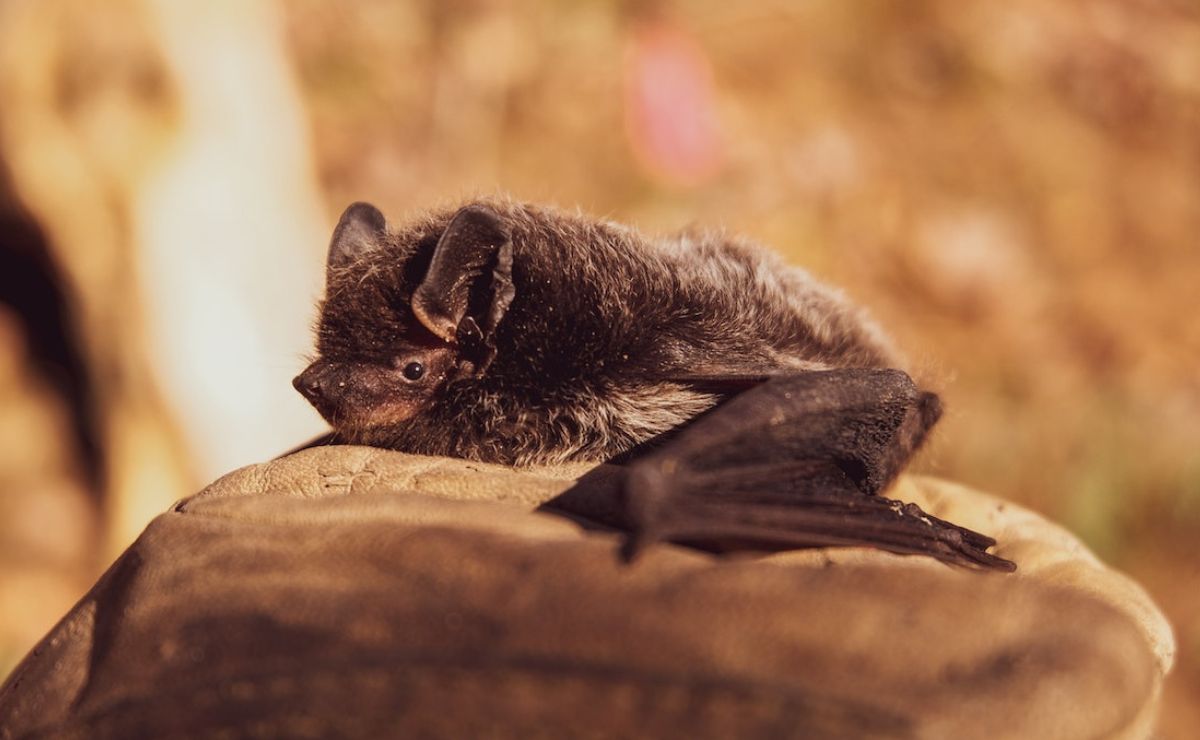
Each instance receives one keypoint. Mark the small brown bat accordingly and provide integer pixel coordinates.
(756, 408)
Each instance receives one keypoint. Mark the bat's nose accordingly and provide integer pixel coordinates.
(310, 386)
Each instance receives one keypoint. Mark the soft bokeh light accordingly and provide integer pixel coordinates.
(1012, 188)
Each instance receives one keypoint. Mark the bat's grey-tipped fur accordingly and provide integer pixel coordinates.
(505, 332)
(591, 357)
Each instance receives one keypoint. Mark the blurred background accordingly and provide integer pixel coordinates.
(1012, 187)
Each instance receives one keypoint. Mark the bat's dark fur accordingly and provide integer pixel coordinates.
(602, 318)
(547, 336)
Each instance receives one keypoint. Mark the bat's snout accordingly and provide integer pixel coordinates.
(359, 395)
(308, 383)
(321, 385)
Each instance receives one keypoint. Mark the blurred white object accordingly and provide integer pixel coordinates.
(232, 235)
(163, 148)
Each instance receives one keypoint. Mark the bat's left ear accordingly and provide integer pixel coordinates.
(361, 228)
(468, 287)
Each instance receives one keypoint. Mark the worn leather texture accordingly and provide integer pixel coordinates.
(355, 592)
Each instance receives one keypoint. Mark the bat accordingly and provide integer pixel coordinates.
(755, 408)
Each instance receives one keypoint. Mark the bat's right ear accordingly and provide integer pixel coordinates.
(361, 227)
(474, 253)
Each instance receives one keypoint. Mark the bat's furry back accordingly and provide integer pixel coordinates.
(602, 339)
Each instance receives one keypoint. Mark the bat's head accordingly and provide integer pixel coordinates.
(405, 314)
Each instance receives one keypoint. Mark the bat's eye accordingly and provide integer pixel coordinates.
(414, 371)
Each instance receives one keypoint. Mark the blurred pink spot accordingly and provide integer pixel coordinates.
(670, 107)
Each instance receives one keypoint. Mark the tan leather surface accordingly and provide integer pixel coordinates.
(359, 592)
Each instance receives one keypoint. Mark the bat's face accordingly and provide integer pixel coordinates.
(400, 321)
(364, 393)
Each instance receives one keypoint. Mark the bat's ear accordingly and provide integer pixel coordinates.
(361, 227)
(469, 284)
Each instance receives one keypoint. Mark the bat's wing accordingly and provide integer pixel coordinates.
(797, 461)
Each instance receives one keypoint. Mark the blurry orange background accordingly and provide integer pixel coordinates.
(1013, 188)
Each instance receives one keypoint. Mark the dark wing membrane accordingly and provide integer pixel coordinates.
(796, 461)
